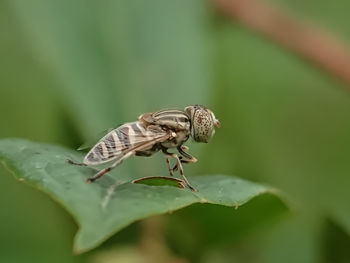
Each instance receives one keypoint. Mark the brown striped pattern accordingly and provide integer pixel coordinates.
(120, 141)
(172, 119)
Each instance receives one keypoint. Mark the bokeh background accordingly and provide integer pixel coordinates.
(71, 69)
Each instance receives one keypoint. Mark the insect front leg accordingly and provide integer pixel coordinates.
(193, 160)
(183, 151)
(179, 166)
(181, 171)
(184, 148)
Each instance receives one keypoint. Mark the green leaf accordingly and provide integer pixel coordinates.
(160, 181)
(113, 202)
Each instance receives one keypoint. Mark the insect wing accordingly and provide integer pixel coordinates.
(91, 142)
(120, 141)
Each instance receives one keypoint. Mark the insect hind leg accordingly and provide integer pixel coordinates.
(99, 174)
(103, 171)
(108, 169)
(70, 161)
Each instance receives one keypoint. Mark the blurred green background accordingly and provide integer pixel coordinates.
(70, 69)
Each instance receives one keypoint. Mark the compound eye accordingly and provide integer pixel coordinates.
(202, 125)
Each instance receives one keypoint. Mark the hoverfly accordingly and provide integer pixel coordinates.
(153, 132)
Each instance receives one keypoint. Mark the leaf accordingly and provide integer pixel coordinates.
(160, 181)
(113, 202)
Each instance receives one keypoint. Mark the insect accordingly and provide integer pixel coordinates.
(153, 132)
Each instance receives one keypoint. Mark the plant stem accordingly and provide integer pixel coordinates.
(321, 48)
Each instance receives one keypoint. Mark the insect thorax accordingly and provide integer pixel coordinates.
(170, 120)
(181, 137)
(175, 120)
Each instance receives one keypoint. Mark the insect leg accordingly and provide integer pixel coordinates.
(165, 151)
(179, 166)
(80, 164)
(100, 174)
(108, 169)
(193, 160)
(182, 150)
(170, 170)
(74, 163)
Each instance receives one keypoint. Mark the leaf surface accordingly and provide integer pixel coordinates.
(113, 202)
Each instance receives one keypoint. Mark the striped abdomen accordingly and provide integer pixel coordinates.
(121, 141)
